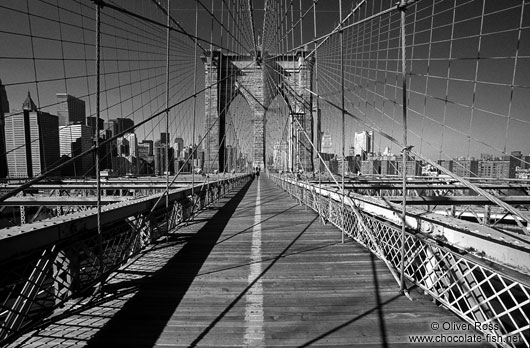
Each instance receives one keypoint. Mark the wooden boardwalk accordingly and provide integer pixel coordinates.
(254, 271)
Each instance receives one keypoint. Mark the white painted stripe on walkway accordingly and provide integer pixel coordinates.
(254, 335)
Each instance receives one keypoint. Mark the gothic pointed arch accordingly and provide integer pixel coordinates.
(259, 81)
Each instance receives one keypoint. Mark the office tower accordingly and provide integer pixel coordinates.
(149, 144)
(133, 145)
(4, 102)
(123, 124)
(363, 143)
(70, 110)
(112, 126)
(91, 122)
(122, 146)
(4, 109)
(75, 139)
(145, 157)
(178, 146)
(160, 157)
(164, 138)
(143, 151)
(32, 141)
(127, 146)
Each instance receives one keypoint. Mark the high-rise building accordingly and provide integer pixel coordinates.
(133, 145)
(123, 147)
(178, 147)
(126, 160)
(149, 144)
(4, 102)
(160, 158)
(164, 138)
(91, 122)
(32, 141)
(363, 143)
(112, 126)
(70, 110)
(75, 139)
(123, 124)
(145, 157)
(4, 109)
(143, 151)
(108, 150)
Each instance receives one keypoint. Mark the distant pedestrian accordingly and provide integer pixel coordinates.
(257, 172)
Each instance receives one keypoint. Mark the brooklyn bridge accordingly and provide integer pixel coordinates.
(265, 173)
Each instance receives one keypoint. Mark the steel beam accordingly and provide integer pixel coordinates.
(21, 240)
(456, 200)
(506, 248)
(58, 200)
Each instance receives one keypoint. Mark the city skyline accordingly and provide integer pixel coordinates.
(462, 100)
(30, 135)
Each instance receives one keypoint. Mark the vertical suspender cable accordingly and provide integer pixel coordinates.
(210, 104)
(222, 109)
(166, 147)
(341, 38)
(295, 109)
(194, 110)
(302, 108)
(402, 8)
(96, 131)
(222, 142)
(317, 142)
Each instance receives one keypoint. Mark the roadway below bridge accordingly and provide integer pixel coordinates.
(254, 270)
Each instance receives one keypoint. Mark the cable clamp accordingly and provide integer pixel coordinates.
(402, 5)
(100, 3)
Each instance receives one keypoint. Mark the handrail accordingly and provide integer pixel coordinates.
(45, 264)
(489, 289)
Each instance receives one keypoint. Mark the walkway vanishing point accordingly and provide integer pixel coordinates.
(255, 270)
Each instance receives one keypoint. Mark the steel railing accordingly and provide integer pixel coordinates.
(46, 264)
(493, 299)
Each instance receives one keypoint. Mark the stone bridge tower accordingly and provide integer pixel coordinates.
(259, 79)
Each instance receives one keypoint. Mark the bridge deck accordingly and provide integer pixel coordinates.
(251, 275)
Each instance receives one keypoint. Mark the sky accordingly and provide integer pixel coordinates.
(468, 74)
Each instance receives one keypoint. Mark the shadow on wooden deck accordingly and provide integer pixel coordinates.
(170, 284)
